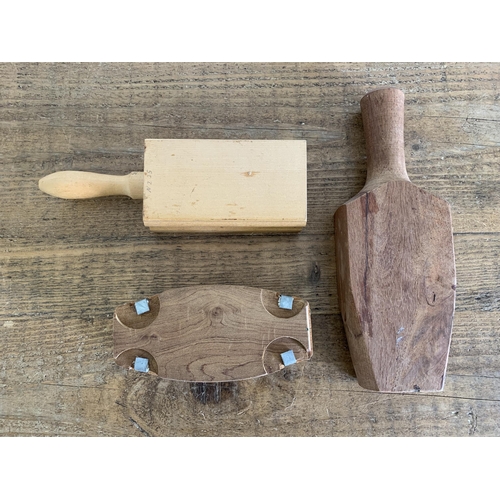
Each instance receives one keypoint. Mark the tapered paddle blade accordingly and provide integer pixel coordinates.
(396, 279)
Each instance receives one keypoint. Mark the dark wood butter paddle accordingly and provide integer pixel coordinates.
(395, 264)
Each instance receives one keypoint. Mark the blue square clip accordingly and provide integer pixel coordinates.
(285, 302)
(141, 365)
(142, 306)
(288, 358)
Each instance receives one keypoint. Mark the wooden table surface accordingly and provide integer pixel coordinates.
(66, 265)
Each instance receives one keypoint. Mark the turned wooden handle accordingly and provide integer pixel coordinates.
(72, 185)
(383, 122)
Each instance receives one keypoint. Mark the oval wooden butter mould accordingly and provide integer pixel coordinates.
(213, 333)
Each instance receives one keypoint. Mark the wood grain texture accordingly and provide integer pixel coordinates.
(395, 264)
(199, 186)
(213, 333)
(225, 186)
(396, 276)
(66, 265)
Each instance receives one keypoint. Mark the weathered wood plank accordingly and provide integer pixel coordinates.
(52, 365)
(88, 273)
(62, 263)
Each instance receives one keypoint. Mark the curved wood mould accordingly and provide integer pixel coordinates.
(215, 333)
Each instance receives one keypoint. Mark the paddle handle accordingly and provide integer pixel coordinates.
(383, 122)
(73, 185)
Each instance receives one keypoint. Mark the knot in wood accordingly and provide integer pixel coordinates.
(216, 316)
